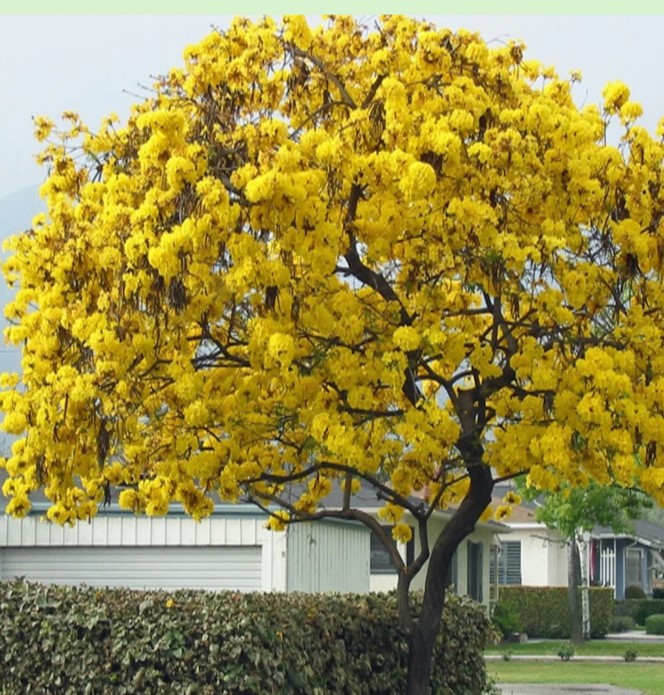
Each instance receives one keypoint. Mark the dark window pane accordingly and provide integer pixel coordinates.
(509, 563)
(380, 558)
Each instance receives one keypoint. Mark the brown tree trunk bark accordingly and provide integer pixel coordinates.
(426, 627)
(573, 584)
(419, 662)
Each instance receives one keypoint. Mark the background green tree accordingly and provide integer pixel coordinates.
(572, 512)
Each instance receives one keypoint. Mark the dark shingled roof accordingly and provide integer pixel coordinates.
(647, 532)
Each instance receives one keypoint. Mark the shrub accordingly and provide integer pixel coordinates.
(641, 608)
(621, 623)
(630, 656)
(506, 619)
(658, 592)
(624, 608)
(655, 624)
(83, 640)
(544, 611)
(634, 591)
(566, 651)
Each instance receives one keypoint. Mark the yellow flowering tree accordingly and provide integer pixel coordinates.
(320, 259)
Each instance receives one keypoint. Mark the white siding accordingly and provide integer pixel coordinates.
(229, 539)
(328, 557)
(224, 567)
(128, 530)
(383, 581)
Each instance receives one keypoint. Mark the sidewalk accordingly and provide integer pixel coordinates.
(634, 636)
(627, 636)
(563, 689)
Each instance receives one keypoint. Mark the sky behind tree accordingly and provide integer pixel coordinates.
(95, 64)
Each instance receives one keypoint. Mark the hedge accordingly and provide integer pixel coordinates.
(640, 608)
(655, 624)
(635, 591)
(83, 641)
(621, 623)
(544, 610)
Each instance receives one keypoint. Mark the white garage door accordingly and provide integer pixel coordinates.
(221, 567)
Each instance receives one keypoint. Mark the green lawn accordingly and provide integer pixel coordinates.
(592, 648)
(644, 677)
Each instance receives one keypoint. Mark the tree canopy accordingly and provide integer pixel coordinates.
(391, 257)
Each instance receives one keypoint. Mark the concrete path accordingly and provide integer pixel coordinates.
(634, 636)
(563, 689)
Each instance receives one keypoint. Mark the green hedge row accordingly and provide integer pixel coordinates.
(544, 611)
(639, 608)
(84, 641)
(655, 624)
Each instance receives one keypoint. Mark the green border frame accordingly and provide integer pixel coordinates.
(467, 7)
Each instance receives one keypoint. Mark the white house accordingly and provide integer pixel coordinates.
(534, 555)
(232, 549)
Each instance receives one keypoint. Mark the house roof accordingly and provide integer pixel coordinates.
(642, 530)
(646, 532)
(366, 498)
(523, 513)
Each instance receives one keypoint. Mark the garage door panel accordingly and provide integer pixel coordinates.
(224, 567)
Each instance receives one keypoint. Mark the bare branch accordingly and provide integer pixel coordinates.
(372, 91)
(328, 74)
(368, 520)
(424, 553)
(385, 491)
(510, 476)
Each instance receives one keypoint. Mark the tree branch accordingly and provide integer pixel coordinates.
(385, 491)
(372, 91)
(347, 514)
(330, 76)
(511, 476)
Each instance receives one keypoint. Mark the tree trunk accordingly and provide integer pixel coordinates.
(585, 598)
(573, 584)
(420, 655)
(425, 630)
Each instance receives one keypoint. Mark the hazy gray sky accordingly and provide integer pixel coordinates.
(88, 63)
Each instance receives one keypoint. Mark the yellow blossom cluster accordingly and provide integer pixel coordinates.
(325, 258)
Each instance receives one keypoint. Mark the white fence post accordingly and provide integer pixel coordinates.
(607, 569)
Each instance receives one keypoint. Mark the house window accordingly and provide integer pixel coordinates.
(507, 563)
(633, 567)
(381, 561)
(493, 564)
(475, 571)
(454, 574)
